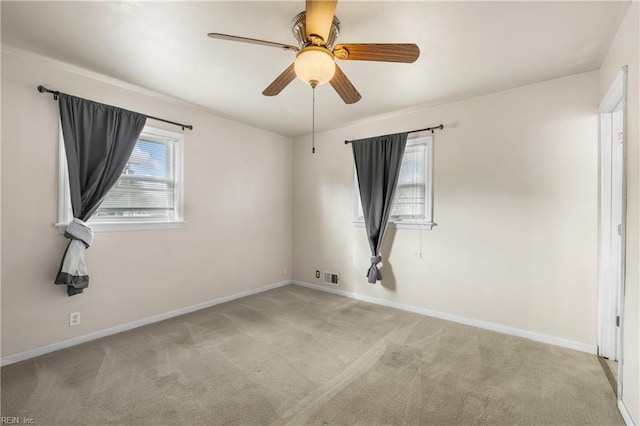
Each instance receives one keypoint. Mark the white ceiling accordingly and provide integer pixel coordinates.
(467, 49)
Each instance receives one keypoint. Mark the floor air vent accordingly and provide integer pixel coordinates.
(331, 278)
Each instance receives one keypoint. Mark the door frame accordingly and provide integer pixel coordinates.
(610, 297)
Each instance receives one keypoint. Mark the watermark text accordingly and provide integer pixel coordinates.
(15, 420)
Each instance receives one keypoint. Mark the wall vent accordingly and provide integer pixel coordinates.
(331, 278)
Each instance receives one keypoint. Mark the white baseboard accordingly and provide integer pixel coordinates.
(625, 413)
(556, 341)
(31, 353)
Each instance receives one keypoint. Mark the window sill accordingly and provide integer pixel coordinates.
(127, 226)
(425, 226)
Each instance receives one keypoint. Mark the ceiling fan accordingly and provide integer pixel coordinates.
(316, 30)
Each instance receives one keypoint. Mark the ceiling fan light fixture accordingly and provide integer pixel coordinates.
(315, 65)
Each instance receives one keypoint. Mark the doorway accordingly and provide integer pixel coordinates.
(611, 246)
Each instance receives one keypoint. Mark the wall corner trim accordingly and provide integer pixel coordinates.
(41, 350)
(543, 338)
(625, 413)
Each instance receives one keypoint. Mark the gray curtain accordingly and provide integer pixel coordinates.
(98, 140)
(378, 163)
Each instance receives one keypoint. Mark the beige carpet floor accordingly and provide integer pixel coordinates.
(298, 356)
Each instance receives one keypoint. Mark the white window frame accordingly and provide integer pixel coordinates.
(424, 223)
(65, 213)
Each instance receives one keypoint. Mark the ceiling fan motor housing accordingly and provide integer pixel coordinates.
(299, 30)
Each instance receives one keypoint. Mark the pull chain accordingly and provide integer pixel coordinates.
(313, 122)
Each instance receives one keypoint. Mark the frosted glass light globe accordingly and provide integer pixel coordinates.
(314, 65)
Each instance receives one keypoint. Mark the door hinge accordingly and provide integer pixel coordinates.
(619, 229)
(618, 321)
(621, 137)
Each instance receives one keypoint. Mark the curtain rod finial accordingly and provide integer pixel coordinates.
(43, 89)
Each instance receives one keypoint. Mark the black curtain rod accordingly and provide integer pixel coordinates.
(55, 94)
(440, 127)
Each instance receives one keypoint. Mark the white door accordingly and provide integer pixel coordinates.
(612, 210)
(617, 139)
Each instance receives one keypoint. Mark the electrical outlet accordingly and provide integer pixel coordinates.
(285, 270)
(74, 319)
(318, 274)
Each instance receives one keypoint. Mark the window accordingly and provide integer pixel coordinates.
(148, 194)
(413, 203)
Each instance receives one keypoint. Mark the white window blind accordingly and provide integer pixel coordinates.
(410, 191)
(146, 188)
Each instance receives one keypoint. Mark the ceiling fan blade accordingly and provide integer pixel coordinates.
(319, 17)
(387, 52)
(345, 89)
(280, 82)
(252, 41)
